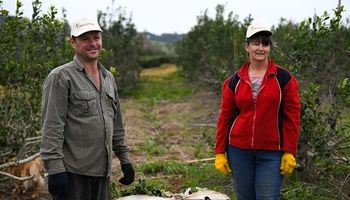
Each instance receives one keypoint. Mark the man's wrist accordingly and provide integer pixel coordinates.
(123, 157)
(54, 166)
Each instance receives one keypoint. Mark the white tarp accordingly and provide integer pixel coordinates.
(200, 194)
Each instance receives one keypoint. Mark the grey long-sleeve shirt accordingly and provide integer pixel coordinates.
(81, 126)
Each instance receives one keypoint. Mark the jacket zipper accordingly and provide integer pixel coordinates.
(253, 128)
(278, 110)
(254, 103)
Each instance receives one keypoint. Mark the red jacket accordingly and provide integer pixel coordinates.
(272, 123)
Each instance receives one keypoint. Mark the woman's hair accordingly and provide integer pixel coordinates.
(260, 37)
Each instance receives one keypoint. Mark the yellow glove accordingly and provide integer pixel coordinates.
(288, 164)
(221, 164)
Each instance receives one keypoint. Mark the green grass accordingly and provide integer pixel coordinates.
(204, 175)
(200, 174)
(152, 116)
(336, 186)
(151, 147)
(346, 117)
(299, 190)
(153, 89)
(139, 187)
(164, 167)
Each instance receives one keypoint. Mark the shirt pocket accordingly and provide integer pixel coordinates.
(111, 105)
(84, 104)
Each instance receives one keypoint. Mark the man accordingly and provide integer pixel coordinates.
(82, 122)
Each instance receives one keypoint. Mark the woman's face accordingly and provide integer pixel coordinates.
(257, 50)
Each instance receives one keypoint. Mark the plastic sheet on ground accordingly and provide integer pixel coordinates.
(199, 194)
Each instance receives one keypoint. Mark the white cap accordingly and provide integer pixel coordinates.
(256, 28)
(84, 25)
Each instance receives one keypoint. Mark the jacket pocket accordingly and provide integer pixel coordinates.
(84, 104)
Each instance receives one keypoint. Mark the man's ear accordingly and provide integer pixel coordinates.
(72, 42)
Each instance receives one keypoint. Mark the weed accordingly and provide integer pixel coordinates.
(299, 190)
(151, 147)
(164, 167)
(152, 116)
(141, 187)
(200, 150)
(201, 175)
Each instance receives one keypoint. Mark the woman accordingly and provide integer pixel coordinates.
(258, 126)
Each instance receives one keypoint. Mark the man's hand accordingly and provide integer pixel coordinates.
(129, 174)
(58, 183)
(288, 164)
(221, 164)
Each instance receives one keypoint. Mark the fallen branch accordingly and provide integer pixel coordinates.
(163, 177)
(37, 138)
(200, 160)
(16, 163)
(16, 177)
(205, 125)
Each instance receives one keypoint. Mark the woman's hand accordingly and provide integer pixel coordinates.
(221, 164)
(288, 164)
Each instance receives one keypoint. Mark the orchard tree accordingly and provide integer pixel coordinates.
(317, 50)
(29, 48)
(122, 47)
(213, 48)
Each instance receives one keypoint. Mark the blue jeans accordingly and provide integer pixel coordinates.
(256, 173)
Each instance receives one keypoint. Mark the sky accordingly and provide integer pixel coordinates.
(179, 16)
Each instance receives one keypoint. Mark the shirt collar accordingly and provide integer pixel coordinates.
(81, 67)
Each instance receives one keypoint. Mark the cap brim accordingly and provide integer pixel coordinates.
(266, 33)
(82, 32)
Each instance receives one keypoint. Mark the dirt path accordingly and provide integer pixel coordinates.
(177, 127)
(174, 127)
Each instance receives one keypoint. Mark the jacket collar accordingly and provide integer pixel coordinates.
(271, 69)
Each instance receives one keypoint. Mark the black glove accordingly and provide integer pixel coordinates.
(58, 183)
(129, 174)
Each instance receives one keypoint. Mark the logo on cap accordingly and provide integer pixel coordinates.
(84, 25)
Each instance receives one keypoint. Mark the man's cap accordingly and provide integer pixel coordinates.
(84, 25)
(257, 28)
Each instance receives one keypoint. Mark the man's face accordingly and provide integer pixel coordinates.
(88, 45)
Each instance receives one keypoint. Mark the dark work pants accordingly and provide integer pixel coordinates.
(85, 188)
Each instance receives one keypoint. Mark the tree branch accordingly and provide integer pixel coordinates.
(16, 177)
(16, 163)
